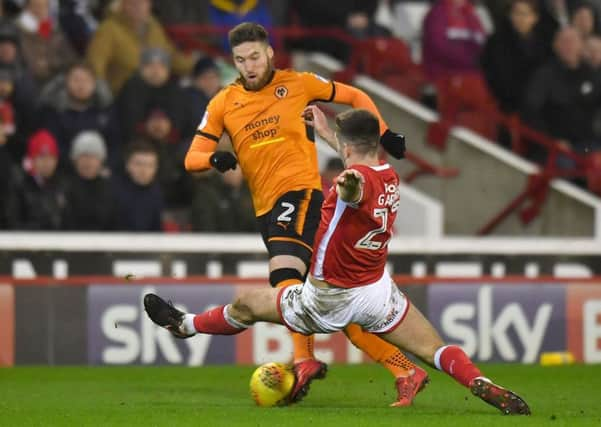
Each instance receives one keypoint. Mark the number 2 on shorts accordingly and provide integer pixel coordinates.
(289, 209)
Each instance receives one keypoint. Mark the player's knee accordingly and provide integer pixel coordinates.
(285, 276)
(242, 312)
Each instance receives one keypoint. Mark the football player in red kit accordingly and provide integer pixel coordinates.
(348, 282)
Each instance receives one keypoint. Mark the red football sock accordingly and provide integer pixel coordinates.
(213, 322)
(452, 360)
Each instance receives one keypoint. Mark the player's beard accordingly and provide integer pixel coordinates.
(260, 84)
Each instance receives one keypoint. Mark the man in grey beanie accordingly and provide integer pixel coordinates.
(90, 204)
(90, 145)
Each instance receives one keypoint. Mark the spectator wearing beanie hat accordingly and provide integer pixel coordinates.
(42, 155)
(206, 82)
(88, 153)
(39, 199)
(90, 203)
(152, 87)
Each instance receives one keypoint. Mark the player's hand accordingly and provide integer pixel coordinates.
(393, 143)
(223, 161)
(350, 184)
(349, 178)
(314, 117)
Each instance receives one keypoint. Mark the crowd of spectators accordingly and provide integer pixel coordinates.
(97, 108)
(98, 105)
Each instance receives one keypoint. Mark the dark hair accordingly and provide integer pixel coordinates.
(81, 65)
(532, 3)
(359, 128)
(247, 32)
(139, 145)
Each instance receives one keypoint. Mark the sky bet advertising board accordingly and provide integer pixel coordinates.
(120, 332)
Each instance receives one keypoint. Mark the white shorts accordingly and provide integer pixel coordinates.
(379, 307)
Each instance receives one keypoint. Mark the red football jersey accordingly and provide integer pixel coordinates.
(351, 243)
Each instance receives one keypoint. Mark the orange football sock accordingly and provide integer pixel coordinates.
(303, 344)
(379, 350)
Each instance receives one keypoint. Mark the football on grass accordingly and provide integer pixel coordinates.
(271, 384)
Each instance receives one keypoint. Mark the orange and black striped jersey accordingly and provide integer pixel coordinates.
(268, 133)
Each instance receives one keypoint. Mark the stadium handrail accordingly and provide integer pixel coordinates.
(211, 243)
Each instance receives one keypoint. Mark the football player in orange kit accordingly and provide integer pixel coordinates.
(262, 114)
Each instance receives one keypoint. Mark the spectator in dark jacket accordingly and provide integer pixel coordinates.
(513, 53)
(175, 182)
(13, 124)
(78, 22)
(90, 203)
(75, 102)
(11, 55)
(564, 94)
(353, 17)
(222, 204)
(38, 200)
(6, 177)
(583, 18)
(152, 87)
(138, 194)
(206, 82)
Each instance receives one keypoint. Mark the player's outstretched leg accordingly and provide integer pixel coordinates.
(409, 378)
(453, 360)
(416, 335)
(505, 400)
(164, 314)
(216, 321)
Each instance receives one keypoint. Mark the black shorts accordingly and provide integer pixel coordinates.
(289, 227)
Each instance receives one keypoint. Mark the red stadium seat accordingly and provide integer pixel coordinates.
(388, 60)
(464, 100)
(593, 172)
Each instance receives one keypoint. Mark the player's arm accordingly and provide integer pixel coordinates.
(314, 117)
(393, 143)
(201, 155)
(349, 186)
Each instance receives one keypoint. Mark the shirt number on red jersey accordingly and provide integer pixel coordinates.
(366, 241)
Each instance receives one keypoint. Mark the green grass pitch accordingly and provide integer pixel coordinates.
(350, 396)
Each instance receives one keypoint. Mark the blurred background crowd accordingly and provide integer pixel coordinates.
(99, 101)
